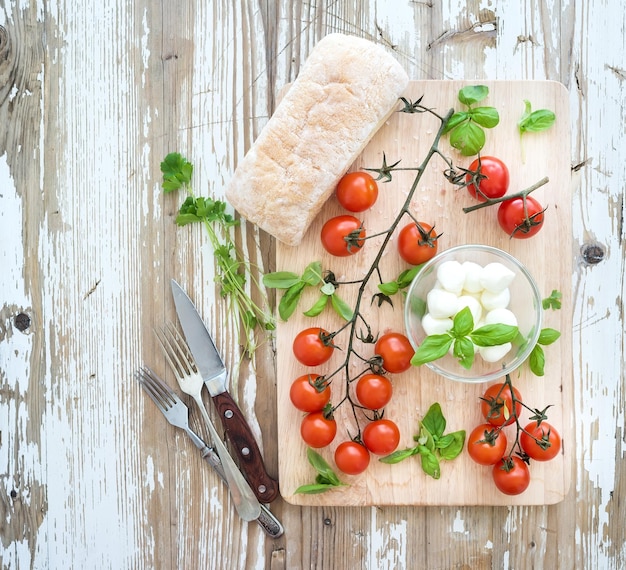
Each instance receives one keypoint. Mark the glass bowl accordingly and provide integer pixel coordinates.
(525, 304)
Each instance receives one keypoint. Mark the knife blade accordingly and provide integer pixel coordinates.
(214, 372)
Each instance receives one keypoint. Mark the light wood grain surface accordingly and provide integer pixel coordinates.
(92, 97)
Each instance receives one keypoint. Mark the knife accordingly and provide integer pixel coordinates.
(213, 371)
(266, 520)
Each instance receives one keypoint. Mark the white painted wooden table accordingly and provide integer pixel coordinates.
(92, 97)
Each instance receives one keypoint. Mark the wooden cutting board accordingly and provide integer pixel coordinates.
(548, 256)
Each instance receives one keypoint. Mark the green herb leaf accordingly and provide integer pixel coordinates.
(451, 445)
(389, 288)
(537, 360)
(455, 120)
(535, 121)
(341, 307)
(399, 455)
(553, 301)
(313, 274)
(548, 336)
(289, 300)
(321, 466)
(432, 348)
(487, 117)
(318, 307)
(434, 421)
(176, 171)
(493, 335)
(280, 279)
(468, 138)
(464, 352)
(463, 323)
(315, 488)
(406, 277)
(430, 462)
(472, 94)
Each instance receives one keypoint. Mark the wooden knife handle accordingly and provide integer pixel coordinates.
(244, 446)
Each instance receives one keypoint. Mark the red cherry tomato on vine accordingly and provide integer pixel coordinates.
(486, 445)
(415, 246)
(511, 475)
(545, 433)
(352, 458)
(317, 430)
(497, 405)
(517, 222)
(381, 437)
(496, 178)
(357, 191)
(373, 391)
(343, 236)
(309, 393)
(312, 346)
(396, 352)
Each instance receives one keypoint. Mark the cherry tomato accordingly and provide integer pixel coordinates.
(357, 191)
(381, 437)
(518, 223)
(497, 405)
(343, 236)
(396, 352)
(352, 458)
(496, 178)
(417, 245)
(373, 391)
(309, 393)
(312, 346)
(486, 445)
(511, 475)
(317, 430)
(545, 433)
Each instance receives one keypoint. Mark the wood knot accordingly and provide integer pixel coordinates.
(592, 253)
(22, 322)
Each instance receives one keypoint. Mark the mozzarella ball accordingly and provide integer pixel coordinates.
(501, 316)
(451, 276)
(442, 303)
(491, 301)
(432, 325)
(472, 277)
(496, 277)
(494, 353)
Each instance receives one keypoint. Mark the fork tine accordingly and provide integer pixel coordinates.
(170, 341)
(155, 386)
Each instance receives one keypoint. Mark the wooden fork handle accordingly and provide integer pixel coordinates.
(245, 448)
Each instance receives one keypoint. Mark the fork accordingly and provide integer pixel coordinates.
(190, 381)
(177, 413)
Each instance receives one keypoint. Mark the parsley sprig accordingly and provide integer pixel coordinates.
(233, 270)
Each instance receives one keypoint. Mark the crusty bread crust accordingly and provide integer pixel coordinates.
(344, 93)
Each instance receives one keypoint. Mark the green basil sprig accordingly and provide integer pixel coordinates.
(461, 337)
(325, 480)
(433, 444)
(466, 128)
(537, 358)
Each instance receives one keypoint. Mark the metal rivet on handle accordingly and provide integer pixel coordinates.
(228, 414)
(245, 451)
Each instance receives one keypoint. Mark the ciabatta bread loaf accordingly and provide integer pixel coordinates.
(345, 91)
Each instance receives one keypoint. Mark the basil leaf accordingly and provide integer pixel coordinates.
(473, 94)
(321, 465)
(548, 336)
(456, 119)
(493, 335)
(430, 463)
(280, 280)
(464, 352)
(537, 361)
(434, 421)
(399, 455)
(451, 445)
(468, 138)
(390, 288)
(341, 307)
(433, 347)
(289, 300)
(313, 273)
(318, 307)
(487, 117)
(463, 323)
(406, 277)
(315, 488)
(426, 438)
(328, 289)
(535, 121)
